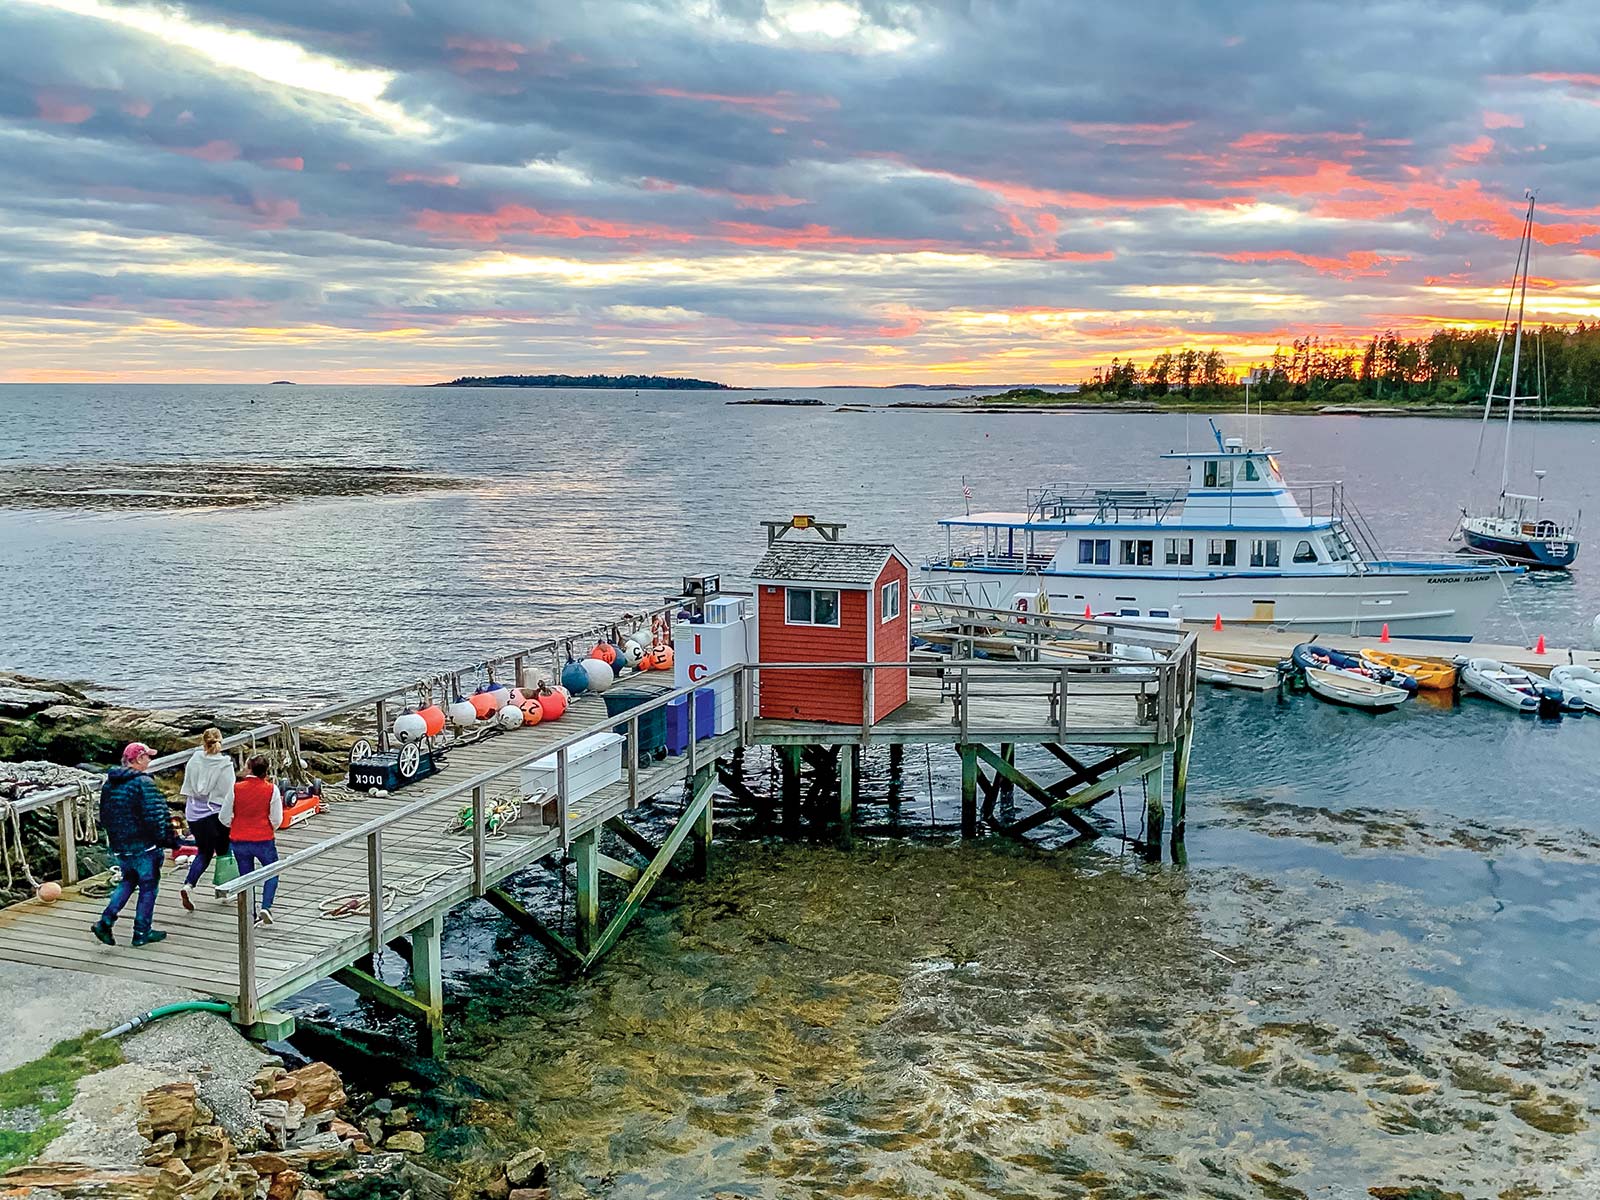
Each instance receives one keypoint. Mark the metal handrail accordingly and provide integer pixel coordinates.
(393, 816)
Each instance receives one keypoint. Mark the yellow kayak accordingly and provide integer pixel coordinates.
(1428, 673)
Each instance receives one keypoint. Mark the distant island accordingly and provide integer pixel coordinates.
(635, 382)
(281, 383)
(782, 401)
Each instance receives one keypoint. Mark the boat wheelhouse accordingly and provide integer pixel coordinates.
(1237, 542)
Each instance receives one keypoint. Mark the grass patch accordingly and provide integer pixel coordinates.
(33, 1095)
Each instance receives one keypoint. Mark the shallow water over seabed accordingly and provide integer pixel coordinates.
(1377, 968)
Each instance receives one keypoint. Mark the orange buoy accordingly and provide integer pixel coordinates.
(1539, 645)
(482, 705)
(663, 658)
(605, 652)
(1217, 624)
(648, 662)
(553, 704)
(532, 712)
(433, 718)
(49, 891)
(1384, 636)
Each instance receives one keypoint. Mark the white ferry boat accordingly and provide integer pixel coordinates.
(1235, 542)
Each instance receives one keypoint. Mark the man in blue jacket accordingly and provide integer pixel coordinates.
(137, 824)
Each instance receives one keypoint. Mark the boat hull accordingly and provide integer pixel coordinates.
(1540, 554)
(1446, 603)
(1340, 687)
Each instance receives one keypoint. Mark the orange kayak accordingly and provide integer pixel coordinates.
(1429, 673)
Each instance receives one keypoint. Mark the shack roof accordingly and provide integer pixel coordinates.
(848, 564)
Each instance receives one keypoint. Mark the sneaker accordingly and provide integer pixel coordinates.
(145, 939)
(102, 932)
(183, 898)
(264, 917)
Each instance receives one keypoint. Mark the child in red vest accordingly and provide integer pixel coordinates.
(252, 815)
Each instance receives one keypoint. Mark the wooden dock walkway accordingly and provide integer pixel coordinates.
(377, 871)
(1250, 643)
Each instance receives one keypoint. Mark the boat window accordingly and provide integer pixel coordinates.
(889, 601)
(1336, 552)
(1138, 552)
(813, 606)
(1263, 553)
(1303, 553)
(1222, 552)
(1218, 474)
(1095, 551)
(1180, 552)
(1250, 473)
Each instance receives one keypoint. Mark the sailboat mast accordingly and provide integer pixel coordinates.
(1523, 255)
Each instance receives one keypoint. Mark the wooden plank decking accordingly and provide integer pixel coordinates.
(427, 869)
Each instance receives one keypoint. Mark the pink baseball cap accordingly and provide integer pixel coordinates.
(133, 750)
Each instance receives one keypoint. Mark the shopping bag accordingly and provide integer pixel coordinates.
(224, 870)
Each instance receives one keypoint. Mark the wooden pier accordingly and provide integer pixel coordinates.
(376, 872)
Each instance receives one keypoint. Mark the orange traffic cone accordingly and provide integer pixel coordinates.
(1538, 647)
(1217, 624)
(1384, 636)
(1088, 613)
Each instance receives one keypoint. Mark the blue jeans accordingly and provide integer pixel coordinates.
(141, 871)
(249, 856)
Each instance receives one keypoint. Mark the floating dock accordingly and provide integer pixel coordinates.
(382, 871)
(1268, 647)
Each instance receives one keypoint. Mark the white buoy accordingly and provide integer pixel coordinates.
(409, 727)
(463, 715)
(601, 676)
(509, 718)
(498, 695)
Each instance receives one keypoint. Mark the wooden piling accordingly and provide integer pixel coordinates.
(1180, 781)
(849, 763)
(969, 789)
(427, 982)
(701, 833)
(1155, 786)
(586, 854)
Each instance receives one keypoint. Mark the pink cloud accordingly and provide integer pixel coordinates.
(1499, 120)
(137, 108)
(781, 106)
(59, 111)
(295, 163)
(484, 54)
(1119, 134)
(213, 151)
(1474, 151)
(440, 180)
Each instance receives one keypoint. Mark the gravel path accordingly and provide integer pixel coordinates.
(44, 1006)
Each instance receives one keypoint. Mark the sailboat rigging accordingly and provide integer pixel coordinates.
(1516, 528)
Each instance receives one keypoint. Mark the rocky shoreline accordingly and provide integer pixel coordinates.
(55, 733)
(121, 487)
(194, 1112)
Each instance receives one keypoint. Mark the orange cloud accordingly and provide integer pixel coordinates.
(1474, 151)
(295, 163)
(1357, 262)
(441, 180)
(1136, 134)
(1499, 120)
(484, 54)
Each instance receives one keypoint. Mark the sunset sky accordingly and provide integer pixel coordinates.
(773, 192)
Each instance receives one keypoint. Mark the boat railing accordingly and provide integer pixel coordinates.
(1328, 500)
(1104, 502)
(982, 556)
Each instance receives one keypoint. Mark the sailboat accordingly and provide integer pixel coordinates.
(1516, 528)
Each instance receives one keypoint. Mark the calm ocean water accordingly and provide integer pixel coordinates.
(1405, 905)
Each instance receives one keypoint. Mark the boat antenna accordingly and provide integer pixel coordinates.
(1516, 349)
(1216, 433)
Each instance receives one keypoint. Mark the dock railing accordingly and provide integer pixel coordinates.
(380, 702)
(475, 790)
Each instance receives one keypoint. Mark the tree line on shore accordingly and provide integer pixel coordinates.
(1448, 366)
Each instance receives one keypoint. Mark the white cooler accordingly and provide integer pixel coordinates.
(591, 764)
(723, 640)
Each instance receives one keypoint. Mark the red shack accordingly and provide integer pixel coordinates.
(831, 602)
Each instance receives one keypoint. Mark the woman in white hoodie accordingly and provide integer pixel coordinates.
(207, 782)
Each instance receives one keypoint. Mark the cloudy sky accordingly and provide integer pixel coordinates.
(773, 191)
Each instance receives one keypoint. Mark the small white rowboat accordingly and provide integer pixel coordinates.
(1341, 687)
(1582, 682)
(1225, 672)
